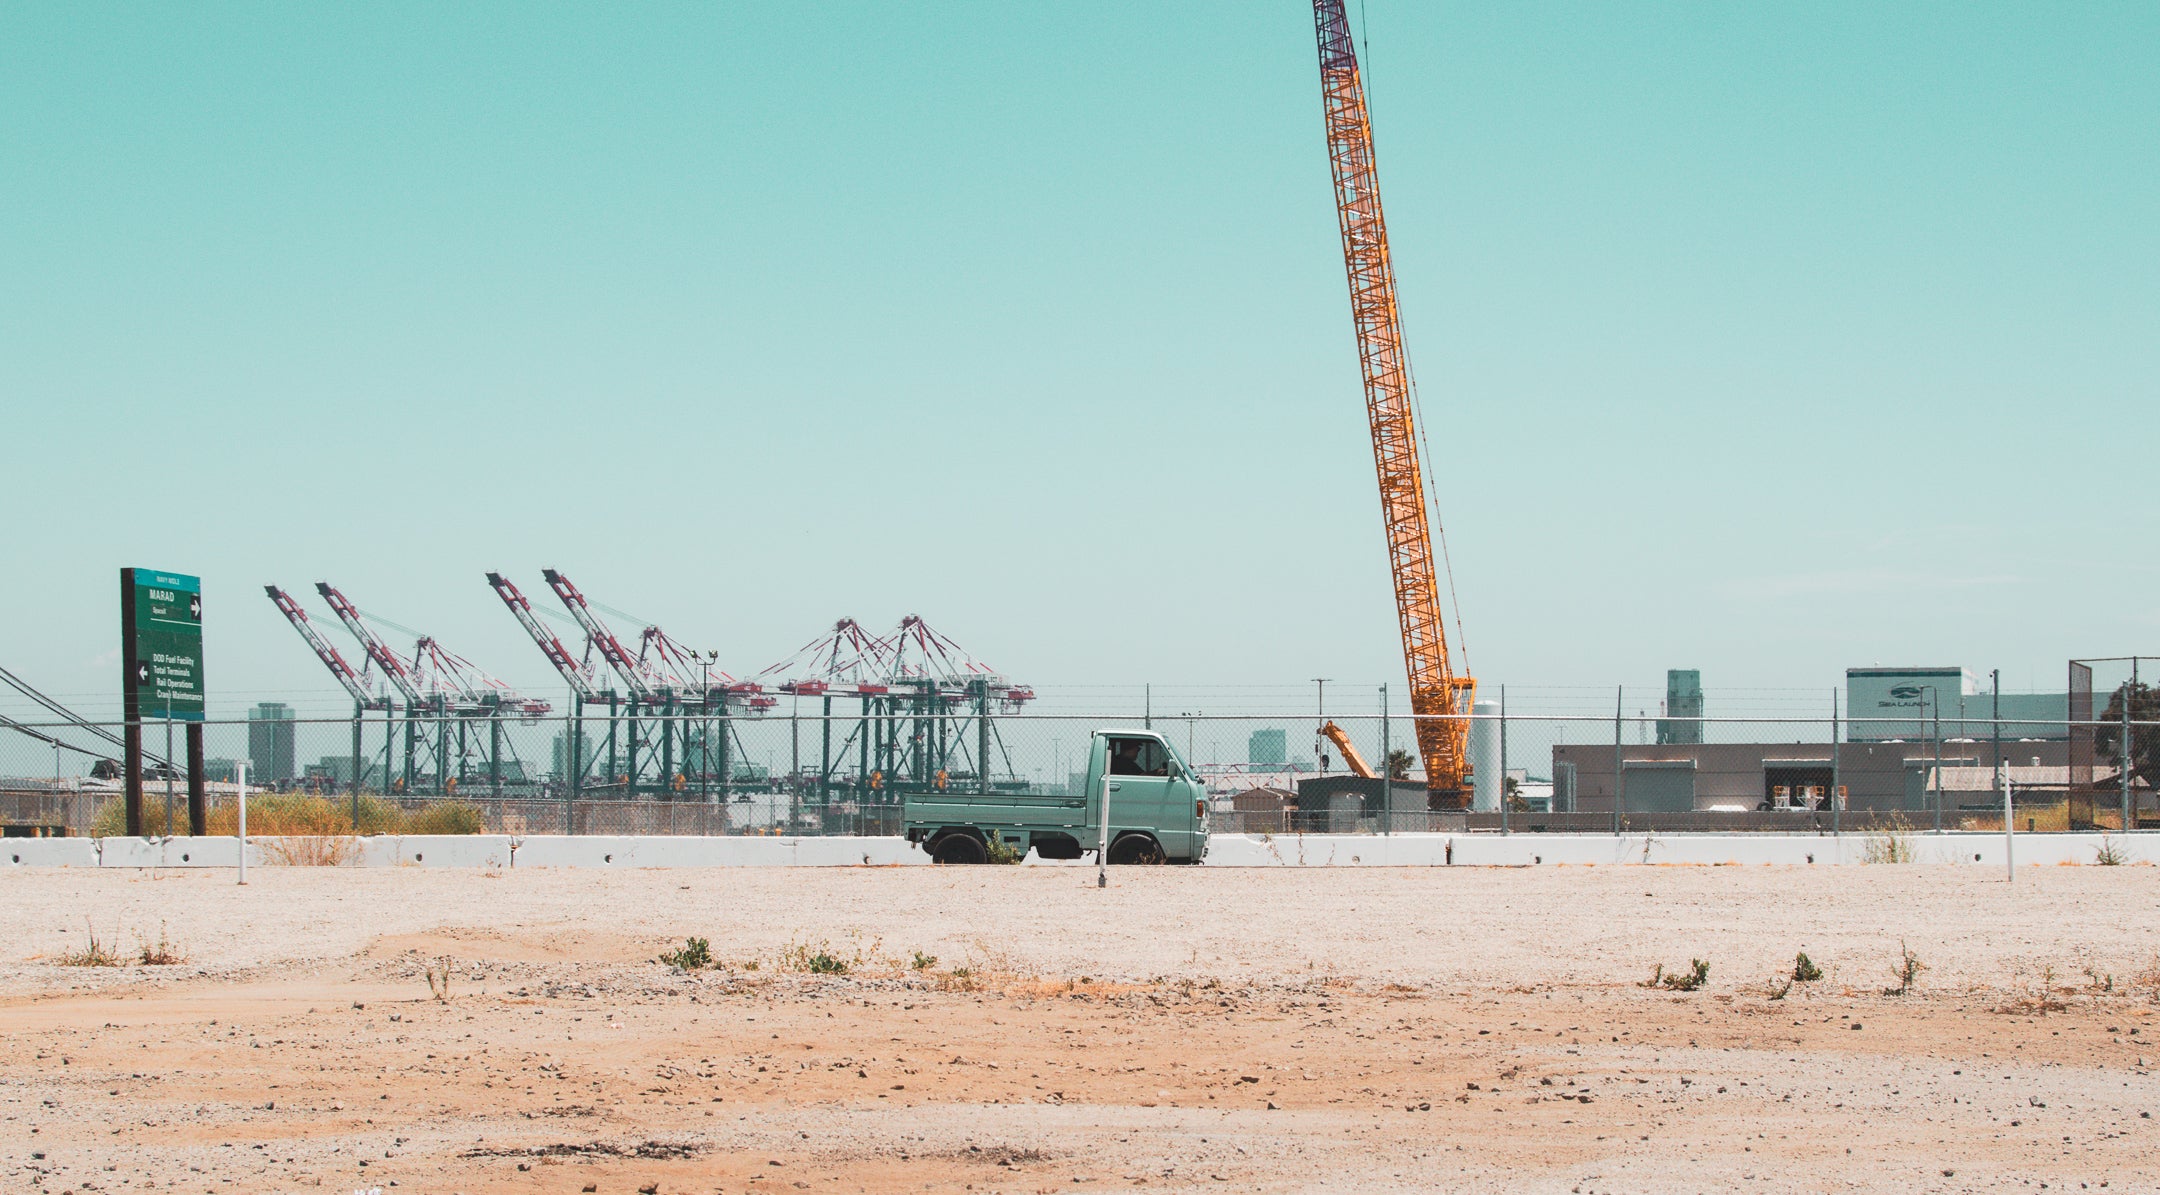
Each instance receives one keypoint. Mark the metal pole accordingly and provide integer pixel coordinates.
(1938, 758)
(1387, 770)
(1619, 703)
(1102, 833)
(1320, 712)
(982, 736)
(1837, 802)
(2129, 694)
(242, 765)
(1996, 674)
(358, 714)
(198, 798)
(1503, 761)
(2002, 777)
(168, 770)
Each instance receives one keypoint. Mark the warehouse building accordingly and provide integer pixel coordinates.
(1677, 778)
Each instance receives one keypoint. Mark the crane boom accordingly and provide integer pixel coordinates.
(393, 668)
(323, 651)
(596, 633)
(1350, 757)
(1438, 696)
(549, 645)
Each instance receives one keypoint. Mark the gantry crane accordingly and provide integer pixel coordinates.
(444, 694)
(1439, 697)
(363, 697)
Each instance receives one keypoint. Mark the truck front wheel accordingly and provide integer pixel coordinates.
(958, 848)
(1135, 848)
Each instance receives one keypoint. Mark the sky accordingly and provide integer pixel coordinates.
(1764, 340)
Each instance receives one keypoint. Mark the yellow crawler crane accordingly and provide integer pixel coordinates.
(1440, 698)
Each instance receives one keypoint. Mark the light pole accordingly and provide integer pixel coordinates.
(704, 771)
(1320, 712)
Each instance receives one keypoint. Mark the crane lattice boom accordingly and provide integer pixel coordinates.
(393, 669)
(550, 646)
(323, 651)
(1437, 695)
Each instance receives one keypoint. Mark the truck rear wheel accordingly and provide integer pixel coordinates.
(958, 848)
(1136, 849)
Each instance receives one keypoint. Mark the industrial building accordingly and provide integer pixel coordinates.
(1676, 778)
(1882, 704)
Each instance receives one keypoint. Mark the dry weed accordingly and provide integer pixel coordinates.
(311, 850)
(96, 954)
(438, 978)
(1893, 844)
(162, 953)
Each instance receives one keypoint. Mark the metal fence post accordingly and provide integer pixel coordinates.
(1837, 797)
(1618, 789)
(1503, 761)
(1387, 770)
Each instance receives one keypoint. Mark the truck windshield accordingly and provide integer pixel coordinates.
(1138, 757)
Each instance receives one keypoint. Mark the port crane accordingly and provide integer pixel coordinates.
(1440, 697)
(444, 694)
(672, 698)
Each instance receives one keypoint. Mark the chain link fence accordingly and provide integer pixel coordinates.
(852, 772)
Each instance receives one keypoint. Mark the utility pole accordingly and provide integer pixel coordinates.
(1995, 677)
(1320, 713)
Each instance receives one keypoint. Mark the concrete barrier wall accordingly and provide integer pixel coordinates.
(1225, 850)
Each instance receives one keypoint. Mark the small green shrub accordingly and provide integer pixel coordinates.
(1679, 981)
(1804, 969)
(2110, 853)
(1908, 970)
(444, 817)
(816, 959)
(923, 962)
(997, 850)
(695, 955)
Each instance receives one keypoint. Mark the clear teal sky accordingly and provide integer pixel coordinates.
(1760, 339)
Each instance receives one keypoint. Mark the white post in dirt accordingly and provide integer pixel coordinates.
(1102, 836)
(242, 766)
(2009, 826)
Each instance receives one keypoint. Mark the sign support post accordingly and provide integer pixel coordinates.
(161, 677)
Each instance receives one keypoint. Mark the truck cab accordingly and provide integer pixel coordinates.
(1158, 810)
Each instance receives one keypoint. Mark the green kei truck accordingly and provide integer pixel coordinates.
(1158, 810)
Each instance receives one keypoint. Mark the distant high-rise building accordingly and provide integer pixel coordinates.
(1683, 700)
(271, 758)
(1268, 748)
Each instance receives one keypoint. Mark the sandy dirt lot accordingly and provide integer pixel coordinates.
(1277, 1030)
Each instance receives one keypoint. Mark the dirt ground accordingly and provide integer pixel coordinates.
(1015, 1029)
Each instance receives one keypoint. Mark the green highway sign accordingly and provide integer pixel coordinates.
(161, 644)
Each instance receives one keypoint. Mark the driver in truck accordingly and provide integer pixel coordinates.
(1130, 757)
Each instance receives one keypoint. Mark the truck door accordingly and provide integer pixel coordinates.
(1145, 796)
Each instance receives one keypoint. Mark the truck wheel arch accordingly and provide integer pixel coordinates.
(958, 845)
(1136, 847)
